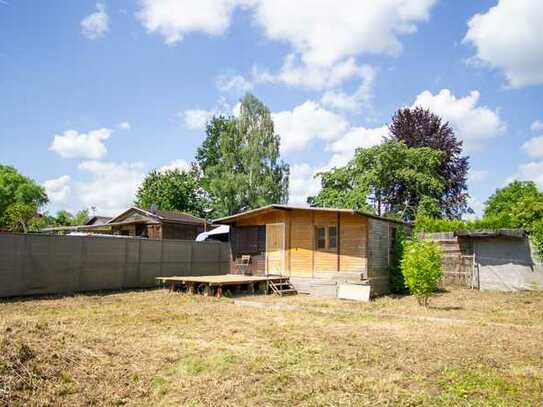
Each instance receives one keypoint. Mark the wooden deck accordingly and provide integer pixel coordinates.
(211, 284)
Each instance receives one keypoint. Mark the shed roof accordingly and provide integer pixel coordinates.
(492, 233)
(233, 218)
(162, 216)
(97, 220)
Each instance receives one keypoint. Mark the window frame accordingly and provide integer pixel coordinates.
(327, 247)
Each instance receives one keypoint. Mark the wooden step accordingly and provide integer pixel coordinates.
(282, 287)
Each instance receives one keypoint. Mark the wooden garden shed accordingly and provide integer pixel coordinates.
(318, 248)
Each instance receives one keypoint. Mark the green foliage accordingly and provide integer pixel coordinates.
(176, 190)
(504, 199)
(419, 127)
(386, 179)
(340, 190)
(65, 218)
(517, 205)
(19, 197)
(421, 268)
(430, 225)
(397, 281)
(240, 162)
(537, 238)
(18, 216)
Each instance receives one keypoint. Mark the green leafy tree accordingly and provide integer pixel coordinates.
(19, 196)
(176, 190)
(389, 179)
(18, 216)
(418, 127)
(240, 160)
(65, 218)
(421, 268)
(520, 201)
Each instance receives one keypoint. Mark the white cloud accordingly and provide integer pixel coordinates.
(537, 125)
(172, 19)
(352, 103)
(324, 32)
(58, 189)
(356, 137)
(112, 187)
(236, 110)
(96, 25)
(474, 124)
(124, 125)
(176, 165)
(295, 73)
(302, 183)
(305, 123)
(508, 36)
(235, 84)
(532, 171)
(478, 207)
(319, 30)
(197, 118)
(534, 147)
(73, 144)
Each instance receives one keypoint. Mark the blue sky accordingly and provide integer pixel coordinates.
(97, 94)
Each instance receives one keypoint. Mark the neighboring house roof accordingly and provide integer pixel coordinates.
(161, 216)
(485, 233)
(97, 220)
(233, 218)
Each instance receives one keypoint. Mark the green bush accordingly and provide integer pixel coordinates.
(421, 268)
(536, 236)
(397, 283)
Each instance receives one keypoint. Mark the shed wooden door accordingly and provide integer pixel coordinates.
(275, 248)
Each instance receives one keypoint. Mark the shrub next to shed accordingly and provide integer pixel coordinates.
(421, 268)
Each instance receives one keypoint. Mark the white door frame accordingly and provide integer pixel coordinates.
(283, 271)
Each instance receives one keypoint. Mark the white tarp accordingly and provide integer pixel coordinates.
(221, 230)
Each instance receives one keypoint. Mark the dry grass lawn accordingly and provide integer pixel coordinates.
(157, 348)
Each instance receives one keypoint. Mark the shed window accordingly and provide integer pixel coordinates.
(332, 237)
(321, 238)
(326, 237)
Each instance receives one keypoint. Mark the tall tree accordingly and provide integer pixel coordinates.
(20, 198)
(388, 179)
(418, 127)
(177, 190)
(240, 160)
(519, 204)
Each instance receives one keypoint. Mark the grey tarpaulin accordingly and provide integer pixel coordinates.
(507, 264)
(50, 264)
